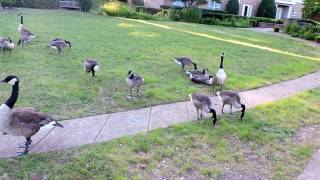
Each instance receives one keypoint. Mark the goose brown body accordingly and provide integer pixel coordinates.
(202, 102)
(231, 98)
(184, 61)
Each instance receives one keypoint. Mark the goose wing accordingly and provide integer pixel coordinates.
(58, 43)
(204, 99)
(230, 95)
(30, 115)
(24, 31)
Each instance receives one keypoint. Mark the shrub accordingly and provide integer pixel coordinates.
(191, 14)
(295, 34)
(86, 5)
(276, 28)
(175, 14)
(41, 4)
(210, 21)
(267, 8)
(295, 28)
(165, 7)
(233, 22)
(7, 3)
(317, 39)
(287, 29)
(151, 11)
(309, 36)
(116, 8)
(232, 7)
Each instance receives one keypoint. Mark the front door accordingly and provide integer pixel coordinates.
(279, 13)
(246, 10)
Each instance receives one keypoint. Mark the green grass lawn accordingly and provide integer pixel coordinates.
(59, 85)
(262, 147)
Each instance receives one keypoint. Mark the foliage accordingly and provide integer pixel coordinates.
(276, 28)
(151, 11)
(41, 4)
(193, 3)
(234, 22)
(175, 14)
(317, 39)
(7, 3)
(311, 9)
(308, 32)
(191, 14)
(267, 8)
(86, 5)
(116, 8)
(232, 7)
(309, 35)
(253, 21)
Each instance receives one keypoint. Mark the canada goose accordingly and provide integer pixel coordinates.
(201, 79)
(233, 99)
(22, 121)
(23, 30)
(184, 61)
(24, 39)
(6, 44)
(203, 103)
(220, 76)
(134, 81)
(60, 44)
(197, 72)
(91, 65)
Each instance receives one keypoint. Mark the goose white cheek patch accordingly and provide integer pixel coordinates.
(13, 81)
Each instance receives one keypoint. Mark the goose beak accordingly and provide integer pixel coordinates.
(2, 81)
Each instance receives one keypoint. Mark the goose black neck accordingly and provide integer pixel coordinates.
(195, 66)
(14, 96)
(221, 63)
(243, 110)
(214, 116)
(21, 20)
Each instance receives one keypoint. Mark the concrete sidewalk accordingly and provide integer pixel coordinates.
(105, 127)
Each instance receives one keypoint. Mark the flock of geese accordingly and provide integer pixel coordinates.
(27, 121)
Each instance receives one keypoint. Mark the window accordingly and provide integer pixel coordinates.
(246, 10)
(294, 13)
(178, 3)
(214, 5)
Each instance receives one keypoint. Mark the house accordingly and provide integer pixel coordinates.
(286, 9)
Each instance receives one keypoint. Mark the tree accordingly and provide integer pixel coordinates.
(193, 3)
(267, 8)
(233, 7)
(311, 9)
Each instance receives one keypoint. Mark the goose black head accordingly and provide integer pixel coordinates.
(214, 116)
(20, 14)
(10, 40)
(68, 42)
(10, 80)
(130, 72)
(205, 70)
(210, 77)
